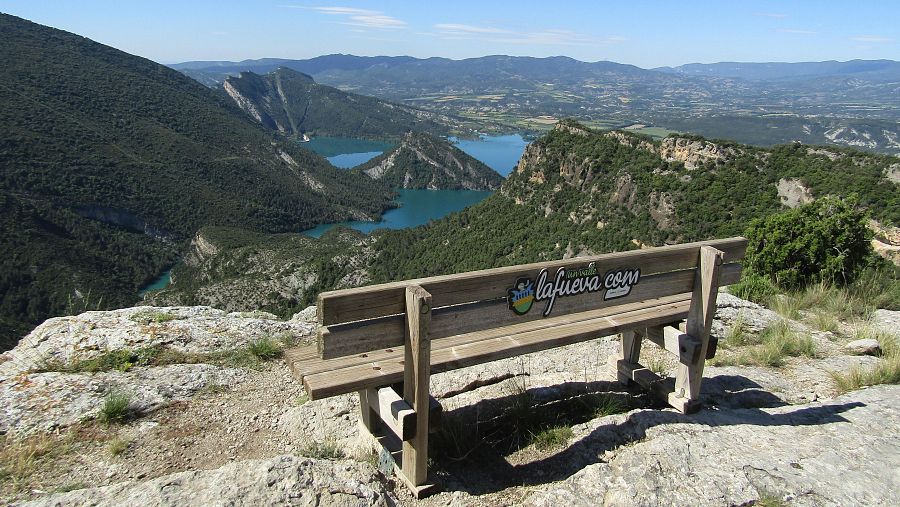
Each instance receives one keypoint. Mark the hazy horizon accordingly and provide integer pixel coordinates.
(653, 34)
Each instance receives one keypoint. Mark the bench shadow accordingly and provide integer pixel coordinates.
(487, 470)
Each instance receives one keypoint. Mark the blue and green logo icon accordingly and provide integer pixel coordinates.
(521, 297)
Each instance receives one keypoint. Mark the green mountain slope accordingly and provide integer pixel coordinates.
(425, 161)
(575, 191)
(578, 190)
(294, 104)
(109, 162)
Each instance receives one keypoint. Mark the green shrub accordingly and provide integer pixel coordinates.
(328, 449)
(265, 349)
(550, 438)
(116, 408)
(825, 240)
(754, 287)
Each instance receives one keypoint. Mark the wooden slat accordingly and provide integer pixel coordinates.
(480, 350)
(388, 299)
(387, 332)
(684, 346)
(301, 353)
(318, 365)
(296, 356)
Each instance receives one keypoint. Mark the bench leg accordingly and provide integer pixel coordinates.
(703, 307)
(629, 352)
(368, 398)
(416, 383)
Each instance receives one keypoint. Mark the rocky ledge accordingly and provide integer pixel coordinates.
(205, 432)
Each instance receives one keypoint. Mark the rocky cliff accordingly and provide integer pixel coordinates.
(292, 103)
(238, 270)
(427, 162)
(207, 424)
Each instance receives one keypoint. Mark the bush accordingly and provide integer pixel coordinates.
(754, 287)
(116, 408)
(265, 349)
(825, 240)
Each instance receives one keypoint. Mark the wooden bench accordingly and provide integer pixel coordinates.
(384, 341)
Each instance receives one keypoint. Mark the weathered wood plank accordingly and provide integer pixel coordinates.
(477, 349)
(417, 381)
(388, 299)
(684, 346)
(318, 365)
(388, 332)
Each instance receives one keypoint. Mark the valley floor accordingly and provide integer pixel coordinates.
(546, 429)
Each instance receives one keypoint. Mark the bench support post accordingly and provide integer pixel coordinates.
(699, 321)
(629, 351)
(416, 383)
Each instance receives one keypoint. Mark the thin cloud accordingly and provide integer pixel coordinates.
(353, 16)
(871, 38)
(376, 21)
(344, 11)
(467, 29)
(797, 31)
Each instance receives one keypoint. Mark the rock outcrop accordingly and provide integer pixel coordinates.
(283, 480)
(209, 434)
(831, 453)
(191, 329)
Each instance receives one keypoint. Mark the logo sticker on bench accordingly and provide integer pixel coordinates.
(616, 283)
(522, 296)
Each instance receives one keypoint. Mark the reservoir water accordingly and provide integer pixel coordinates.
(500, 153)
(418, 207)
(160, 283)
(345, 152)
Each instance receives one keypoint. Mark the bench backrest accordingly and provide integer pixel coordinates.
(355, 321)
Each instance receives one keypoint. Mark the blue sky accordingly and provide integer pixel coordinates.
(643, 33)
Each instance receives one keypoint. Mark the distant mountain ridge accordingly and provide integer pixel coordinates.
(422, 161)
(851, 103)
(888, 70)
(293, 104)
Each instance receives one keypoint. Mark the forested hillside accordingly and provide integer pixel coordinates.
(575, 191)
(578, 190)
(425, 161)
(292, 103)
(108, 162)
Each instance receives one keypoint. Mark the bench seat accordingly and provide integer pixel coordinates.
(323, 378)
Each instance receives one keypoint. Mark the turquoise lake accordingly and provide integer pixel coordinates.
(500, 153)
(346, 152)
(418, 207)
(160, 283)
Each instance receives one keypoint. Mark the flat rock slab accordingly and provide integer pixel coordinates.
(283, 480)
(844, 451)
(195, 329)
(51, 400)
